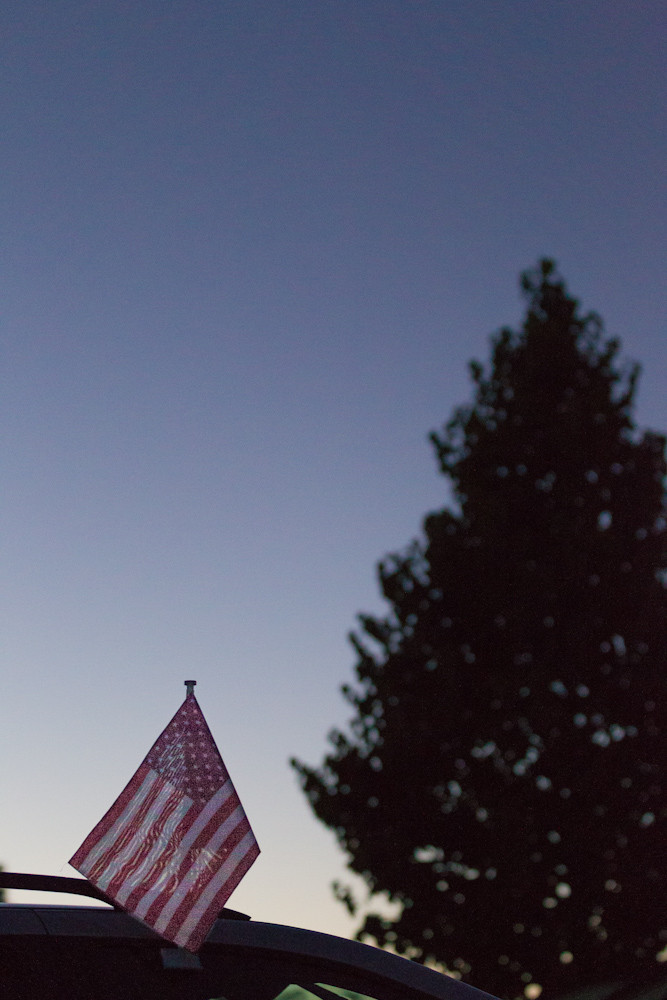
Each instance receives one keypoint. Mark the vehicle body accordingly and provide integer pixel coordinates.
(100, 953)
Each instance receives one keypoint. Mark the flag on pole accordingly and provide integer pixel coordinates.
(176, 842)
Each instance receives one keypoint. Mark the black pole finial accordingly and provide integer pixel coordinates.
(190, 688)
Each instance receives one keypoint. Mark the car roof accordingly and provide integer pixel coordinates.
(248, 958)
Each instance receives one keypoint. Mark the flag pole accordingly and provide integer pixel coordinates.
(189, 688)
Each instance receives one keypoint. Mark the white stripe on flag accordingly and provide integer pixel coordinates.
(123, 821)
(180, 854)
(213, 888)
(162, 844)
(117, 863)
(201, 863)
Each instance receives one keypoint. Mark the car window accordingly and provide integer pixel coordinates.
(317, 991)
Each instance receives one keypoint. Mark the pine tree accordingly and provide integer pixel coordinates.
(502, 779)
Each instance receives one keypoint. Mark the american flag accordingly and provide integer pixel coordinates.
(176, 843)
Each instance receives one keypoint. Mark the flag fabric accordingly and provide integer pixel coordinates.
(176, 842)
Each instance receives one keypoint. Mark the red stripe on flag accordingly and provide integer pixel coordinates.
(192, 921)
(131, 819)
(152, 836)
(205, 867)
(165, 868)
(189, 851)
(197, 937)
(198, 921)
(110, 817)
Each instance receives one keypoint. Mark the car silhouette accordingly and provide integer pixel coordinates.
(79, 952)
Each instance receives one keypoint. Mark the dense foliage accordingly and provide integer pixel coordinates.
(502, 780)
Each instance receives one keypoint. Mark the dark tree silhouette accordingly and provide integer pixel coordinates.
(503, 779)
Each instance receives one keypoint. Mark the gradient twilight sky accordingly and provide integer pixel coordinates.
(248, 247)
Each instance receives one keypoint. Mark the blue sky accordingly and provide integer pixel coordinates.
(248, 250)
